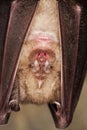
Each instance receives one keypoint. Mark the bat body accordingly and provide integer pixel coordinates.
(39, 70)
(43, 55)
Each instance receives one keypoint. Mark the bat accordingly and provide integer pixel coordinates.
(43, 56)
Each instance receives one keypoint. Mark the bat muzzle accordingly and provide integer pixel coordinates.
(41, 62)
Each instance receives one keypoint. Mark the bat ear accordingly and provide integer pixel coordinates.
(13, 27)
(74, 60)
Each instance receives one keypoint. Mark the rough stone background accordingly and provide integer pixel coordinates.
(38, 117)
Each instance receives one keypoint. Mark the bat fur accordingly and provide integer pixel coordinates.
(39, 72)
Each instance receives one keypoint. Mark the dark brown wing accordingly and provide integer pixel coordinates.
(73, 24)
(15, 18)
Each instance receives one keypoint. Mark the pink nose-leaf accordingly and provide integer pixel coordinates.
(41, 62)
(41, 56)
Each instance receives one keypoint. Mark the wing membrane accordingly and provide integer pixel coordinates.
(21, 13)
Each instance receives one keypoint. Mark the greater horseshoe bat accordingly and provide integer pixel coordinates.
(43, 55)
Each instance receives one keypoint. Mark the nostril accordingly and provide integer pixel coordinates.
(41, 56)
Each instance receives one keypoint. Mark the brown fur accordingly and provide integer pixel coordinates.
(44, 23)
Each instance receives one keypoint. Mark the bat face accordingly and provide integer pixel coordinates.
(39, 71)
